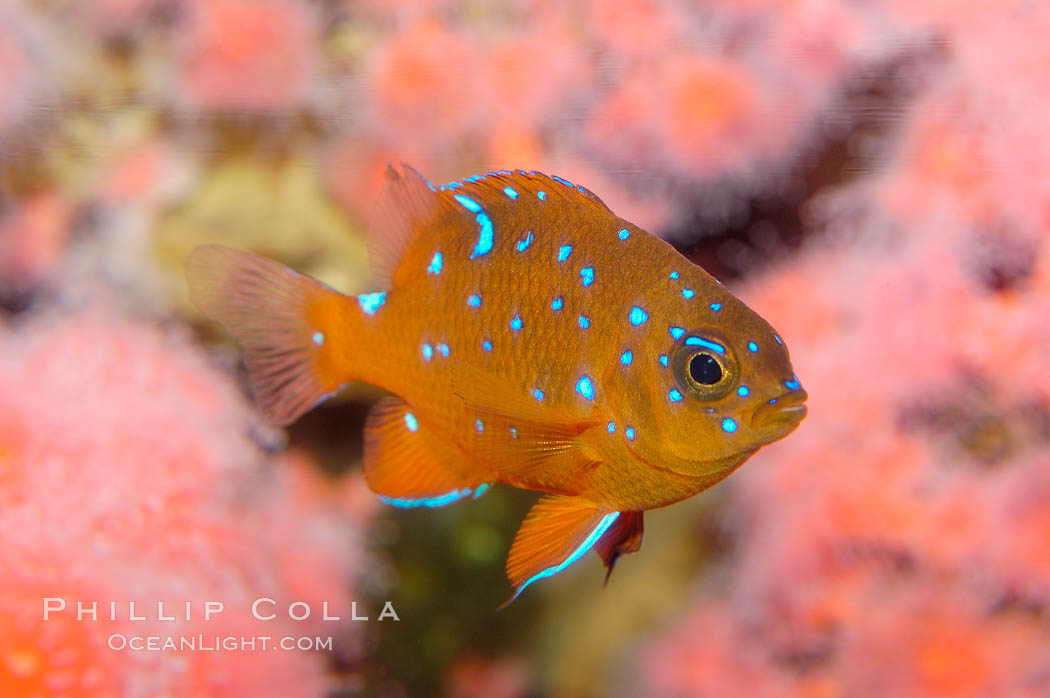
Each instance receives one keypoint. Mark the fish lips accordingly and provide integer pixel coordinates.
(782, 413)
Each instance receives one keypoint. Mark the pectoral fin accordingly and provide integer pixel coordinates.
(557, 532)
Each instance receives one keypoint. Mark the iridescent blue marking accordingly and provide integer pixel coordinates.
(584, 321)
(411, 422)
(428, 352)
(371, 302)
(585, 387)
(629, 431)
(663, 359)
(612, 427)
(792, 384)
(674, 275)
(563, 252)
(706, 344)
(515, 323)
(474, 301)
(318, 338)
(716, 307)
(542, 195)
(676, 332)
(637, 316)
(597, 533)
(728, 425)
(556, 303)
(435, 264)
(674, 396)
(510, 192)
(442, 349)
(624, 234)
(481, 489)
(626, 358)
(484, 244)
(777, 337)
(524, 244)
(479, 425)
(773, 401)
(538, 394)
(742, 391)
(513, 432)
(687, 293)
(752, 346)
(587, 274)
(440, 501)
(486, 345)
(566, 182)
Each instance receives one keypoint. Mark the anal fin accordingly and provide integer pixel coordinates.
(557, 532)
(408, 466)
(622, 538)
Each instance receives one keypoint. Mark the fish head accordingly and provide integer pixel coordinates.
(721, 387)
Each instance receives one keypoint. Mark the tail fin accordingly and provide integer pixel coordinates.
(286, 323)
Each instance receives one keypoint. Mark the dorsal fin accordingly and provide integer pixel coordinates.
(410, 202)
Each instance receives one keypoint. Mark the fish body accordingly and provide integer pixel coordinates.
(528, 336)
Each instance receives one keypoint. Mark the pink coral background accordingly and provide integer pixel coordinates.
(897, 544)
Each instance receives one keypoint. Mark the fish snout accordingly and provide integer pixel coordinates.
(785, 410)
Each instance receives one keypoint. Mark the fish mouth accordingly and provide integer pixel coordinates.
(784, 411)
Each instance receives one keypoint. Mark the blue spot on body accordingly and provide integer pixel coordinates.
(587, 544)
(556, 303)
(585, 322)
(538, 394)
(371, 302)
(542, 195)
(524, 244)
(626, 358)
(742, 391)
(474, 301)
(442, 349)
(481, 489)
(585, 387)
(440, 501)
(435, 264)
(486, 345)
(515, 323)
(752, 346)
(566, 182)
(479, 425)
(777, 337)
(687, 293)
(663, 359)
(624, 234)
(716, 307)
(563, 252)
(411, 422)
(612, 427)
(792, 384)
(318, 338)
(428, 352)
(728, 425)
(637, 316)
(629, 431)
(706, 344)
(587, 274)
(484, 244)
(513, 432)
(674, 275)
(510, 192)
(674, 396)
(676, 332)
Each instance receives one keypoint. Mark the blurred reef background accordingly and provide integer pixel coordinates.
(872, 177)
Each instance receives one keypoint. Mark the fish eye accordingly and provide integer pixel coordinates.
(703, 369)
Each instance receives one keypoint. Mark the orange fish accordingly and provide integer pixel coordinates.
(529, 337)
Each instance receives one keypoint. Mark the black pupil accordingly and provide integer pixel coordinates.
(704, 369)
